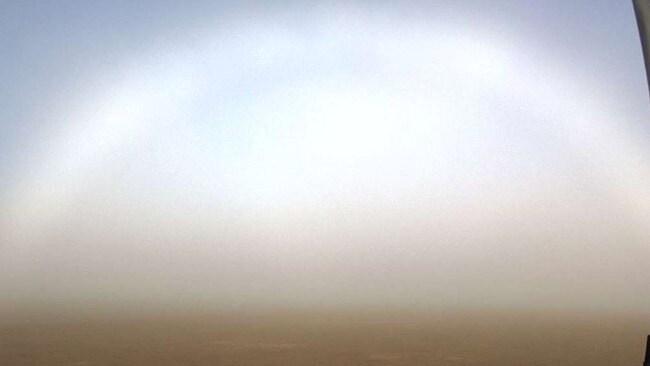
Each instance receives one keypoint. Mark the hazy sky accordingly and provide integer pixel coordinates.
(433, 153)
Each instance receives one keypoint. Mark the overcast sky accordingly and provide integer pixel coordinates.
(433, 153)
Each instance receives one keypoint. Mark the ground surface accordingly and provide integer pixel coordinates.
(327, 338)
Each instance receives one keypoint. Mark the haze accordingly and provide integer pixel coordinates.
(438, 155)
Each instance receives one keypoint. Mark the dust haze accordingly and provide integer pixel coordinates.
(288, 161)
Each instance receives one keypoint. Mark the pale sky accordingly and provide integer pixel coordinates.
(434, 153)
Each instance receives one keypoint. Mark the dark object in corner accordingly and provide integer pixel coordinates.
(647, 352)
(642, 10)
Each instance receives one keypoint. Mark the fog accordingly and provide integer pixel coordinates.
(463, 154)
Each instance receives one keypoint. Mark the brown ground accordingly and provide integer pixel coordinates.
(328, 338)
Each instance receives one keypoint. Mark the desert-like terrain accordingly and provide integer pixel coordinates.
(341, 337)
